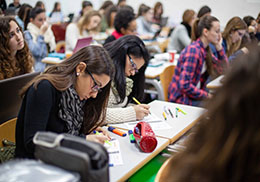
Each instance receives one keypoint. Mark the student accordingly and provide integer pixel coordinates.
(204, 11)
(16, 4)
(130, 58)
(15, 57)
(70, 97)
(39, 37)
(86, 7)
(56, 16)
(225, 145)
(197, 63)
(108, 19)
(181, 36)
(145, 28)
(232, 36)
(157, 14)
(40, 4)
(121, 3)
(88, 25)
(124, 23)
(23, 16)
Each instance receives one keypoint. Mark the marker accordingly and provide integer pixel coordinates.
(181, 111)
(131, 136)
(116, 131)
(137, 131)
(164, 115)
(170, 112)
(137, 102)
(106, 141)
(176, 113)
(165, 110)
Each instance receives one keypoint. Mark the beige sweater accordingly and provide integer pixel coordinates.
(118, 113)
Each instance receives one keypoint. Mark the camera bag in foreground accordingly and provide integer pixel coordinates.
(73, 153)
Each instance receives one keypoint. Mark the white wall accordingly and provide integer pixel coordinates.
(222, 9)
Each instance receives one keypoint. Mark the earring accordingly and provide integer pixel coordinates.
(77, 74)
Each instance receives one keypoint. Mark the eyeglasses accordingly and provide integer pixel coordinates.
(96, 87)
(133, 65)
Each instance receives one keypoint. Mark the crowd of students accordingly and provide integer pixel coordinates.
(95, 86)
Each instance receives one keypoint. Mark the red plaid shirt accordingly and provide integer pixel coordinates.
(188, 73)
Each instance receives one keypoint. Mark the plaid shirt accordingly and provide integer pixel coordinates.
(188, 73)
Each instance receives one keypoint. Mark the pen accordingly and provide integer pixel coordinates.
(116, 131)
(181, 111)
(106, 141)
(176, 113)
(170, 112)
(131, 136)
(164, 115)
(165, 110)
(137, 102)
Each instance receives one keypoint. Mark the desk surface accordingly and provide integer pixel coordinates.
(214, 84)
(179, 125)
(133, 158)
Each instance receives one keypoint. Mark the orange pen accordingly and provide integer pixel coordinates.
(116, 131)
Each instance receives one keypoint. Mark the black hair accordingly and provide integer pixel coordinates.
(122, 19)
(248, 20)
(118, 50)
(203, 10)
(86, 3)
(35, 11)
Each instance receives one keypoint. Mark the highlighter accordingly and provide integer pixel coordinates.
(131, 136)
(116, 131)
(106, 141)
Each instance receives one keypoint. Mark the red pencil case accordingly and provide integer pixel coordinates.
(145, 136)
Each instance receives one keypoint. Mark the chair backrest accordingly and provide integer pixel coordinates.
(10, 101)
(7, 131)
(166, 78)
(59, 31)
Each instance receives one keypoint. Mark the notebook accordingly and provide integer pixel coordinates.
(82, 43)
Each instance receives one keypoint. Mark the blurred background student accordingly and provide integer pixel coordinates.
(15, 57)
(157, 13)
(181, 35)
(56, 15)
(124, 23)
(204, 11)
(225, 144)
(23, 16)
(88, 25)
(86, 7)
(39, 37)
(108, 19)
(130, 58)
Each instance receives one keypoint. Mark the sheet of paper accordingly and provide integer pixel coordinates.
(155, 122)
(113, 149)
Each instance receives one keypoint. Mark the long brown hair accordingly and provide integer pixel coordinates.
(197, 29)
(10, 66)
(63, 75)
(85, 20)
(225, 146)
(233, 25)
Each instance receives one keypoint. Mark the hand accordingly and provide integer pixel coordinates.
(104, 132)
(244, 50)
(97, 138)
(210, 95)
(44, 28)
(218, 45)
(141, 111)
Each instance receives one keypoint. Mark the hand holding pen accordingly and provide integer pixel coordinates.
(141, 110)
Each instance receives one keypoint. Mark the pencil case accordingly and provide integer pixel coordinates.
(145, 137)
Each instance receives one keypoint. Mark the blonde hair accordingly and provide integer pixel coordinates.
(233, 24)
(85, 20)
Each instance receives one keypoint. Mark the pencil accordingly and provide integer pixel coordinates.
(137, 102)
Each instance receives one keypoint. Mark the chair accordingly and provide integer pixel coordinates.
(59, 31)
(10, 101)
(7, 131)
(166, 78)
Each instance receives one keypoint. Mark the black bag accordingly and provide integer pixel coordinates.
(73, 153)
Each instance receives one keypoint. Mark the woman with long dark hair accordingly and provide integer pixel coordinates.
(15, 57)
(130, 58)
(70, 97)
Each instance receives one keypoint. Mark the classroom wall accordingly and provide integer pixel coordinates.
(222, 9)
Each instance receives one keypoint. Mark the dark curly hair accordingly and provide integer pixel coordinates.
(10, 66)
(123, 17)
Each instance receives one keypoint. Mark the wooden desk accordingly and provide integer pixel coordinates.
(179, 125)
(214, 84)
(133, 158)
